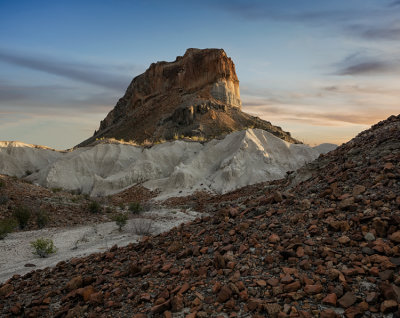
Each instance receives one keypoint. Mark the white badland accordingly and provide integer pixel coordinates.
(173, 168)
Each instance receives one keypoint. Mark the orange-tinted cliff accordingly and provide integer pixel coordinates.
(196, 95)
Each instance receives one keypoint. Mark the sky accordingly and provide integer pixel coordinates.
(323, 70)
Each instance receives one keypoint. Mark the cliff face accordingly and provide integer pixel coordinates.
(196, 95)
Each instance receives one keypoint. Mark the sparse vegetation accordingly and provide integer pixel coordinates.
(28, 173)
(22, 214)
(43, 247)
(94, 207)
(121, 220)
(143, 226)
(42, 218)
(135, 207)
(3, 199)
(55, 190)
(6, 227)
(1, 183)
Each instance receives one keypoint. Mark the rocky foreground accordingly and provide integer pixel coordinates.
(322, 242)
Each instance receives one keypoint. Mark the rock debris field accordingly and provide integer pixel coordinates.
(322, 242)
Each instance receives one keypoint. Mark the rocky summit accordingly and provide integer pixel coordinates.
(197, 95)
(322, 242)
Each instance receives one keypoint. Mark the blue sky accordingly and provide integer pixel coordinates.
(324, 70)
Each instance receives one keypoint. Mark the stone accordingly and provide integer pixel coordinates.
(292, 287)
(389, 306)
(224, 294)
(273, 238)
(6, 289)
(395, 237)
(344, 239)
(347, 300)
(272, 309)
(330, 299)
(358, 189)
(369, 237)
(74, 283)
(312, 289)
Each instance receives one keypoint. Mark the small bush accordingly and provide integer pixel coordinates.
(94, 207)
(55, 190)
(120, 219)
(7, 226)
(143, 226)
(3, 199)
(28, 172)
(1, 183)
(135, 207)
(42, 218)
(22, 214)
(43, 247)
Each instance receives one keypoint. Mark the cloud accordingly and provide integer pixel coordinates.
(358, 64)
(373, 32)
(99, 75)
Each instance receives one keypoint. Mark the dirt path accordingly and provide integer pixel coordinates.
(16, 252)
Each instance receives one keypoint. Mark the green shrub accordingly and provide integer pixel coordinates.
(42, 218)
(22, 214)
(43, 247)
(3, 199)
(55, 190)
(121, 220)
(7, 226)
(94, 207)
(135, 207)
(1, 183)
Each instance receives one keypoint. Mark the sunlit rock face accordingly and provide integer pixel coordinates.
(196, 95)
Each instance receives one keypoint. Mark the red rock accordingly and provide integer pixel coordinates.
(347, 300)
(185, 287)
(272, 309)
(353, 312)
(312, 289)
(261, 283)
(6, 289)
(177, 303)
(157, 309)
(358, 189)
(273, 282)
(224, 294)
(330, 299)
(329, 313)
(395, 237)
(273, 238)
(389, 306)
(96, 298)
(292, 287)
(300, 252)
(74, 283)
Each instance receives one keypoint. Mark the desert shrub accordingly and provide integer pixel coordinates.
(22, 214)
(43, 247)
(3, 199)
(28, 172)
(94, 207)
(121, 220)
(7, 226)
(55, 190)
(1, 183)
(42, 218)
(143, 226)
(135, 207)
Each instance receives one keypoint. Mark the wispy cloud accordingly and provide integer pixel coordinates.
(375, 32)
(359, 64)
(99, 75)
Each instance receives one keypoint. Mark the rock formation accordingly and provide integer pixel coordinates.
(196, 95)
